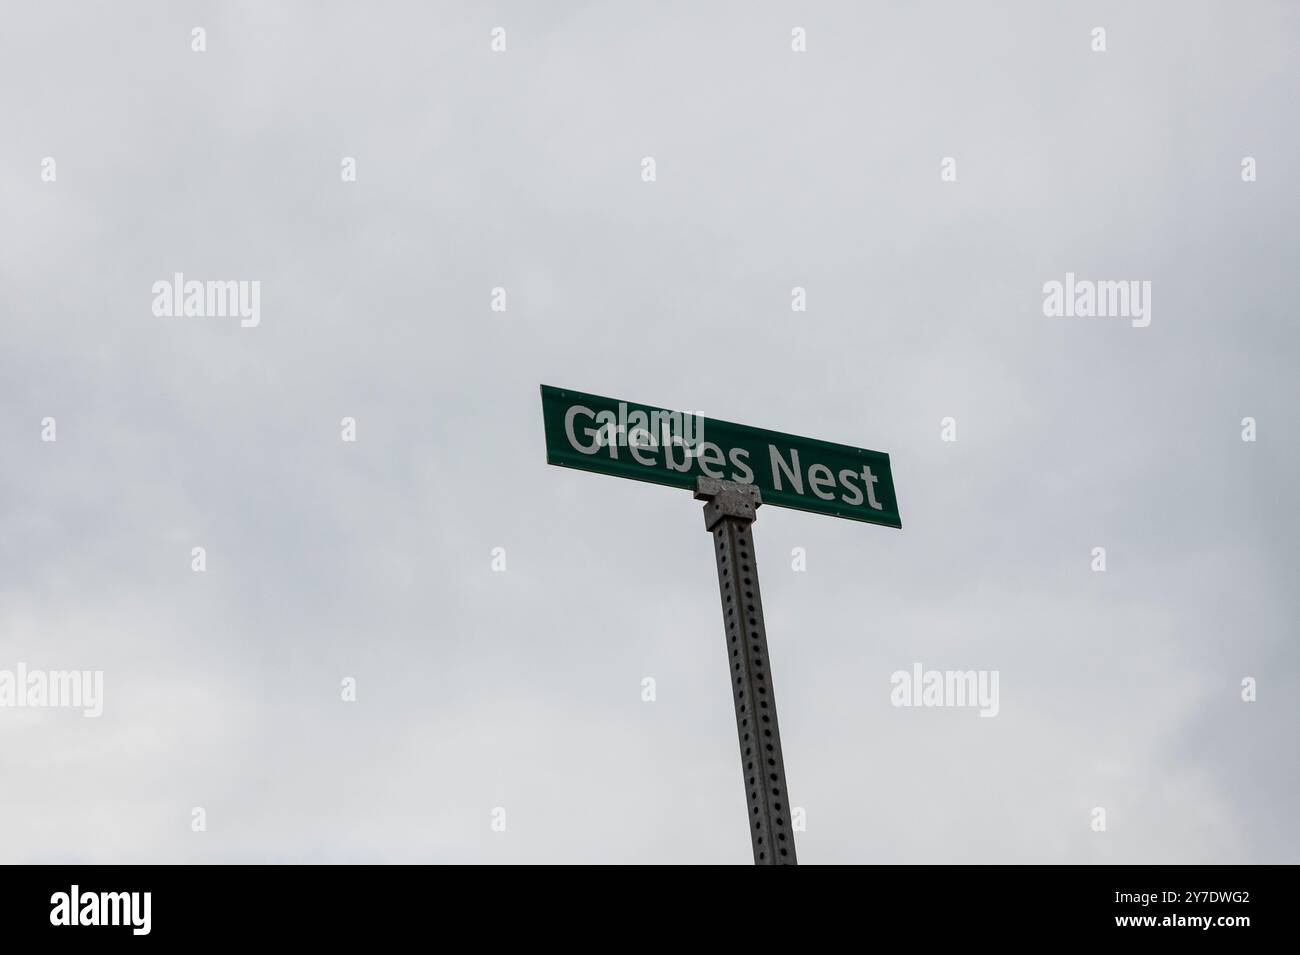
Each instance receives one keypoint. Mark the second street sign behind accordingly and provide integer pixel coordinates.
(630, 440)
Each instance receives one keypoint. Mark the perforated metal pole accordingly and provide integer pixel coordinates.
(729, 512)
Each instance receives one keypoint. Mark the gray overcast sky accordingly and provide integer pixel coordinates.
(522, 169)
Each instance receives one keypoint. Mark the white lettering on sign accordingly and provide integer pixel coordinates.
(652, 442)
(820, 479)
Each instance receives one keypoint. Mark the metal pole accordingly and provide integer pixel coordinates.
(729, 512)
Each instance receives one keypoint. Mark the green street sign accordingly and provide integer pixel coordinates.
(629, 440)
